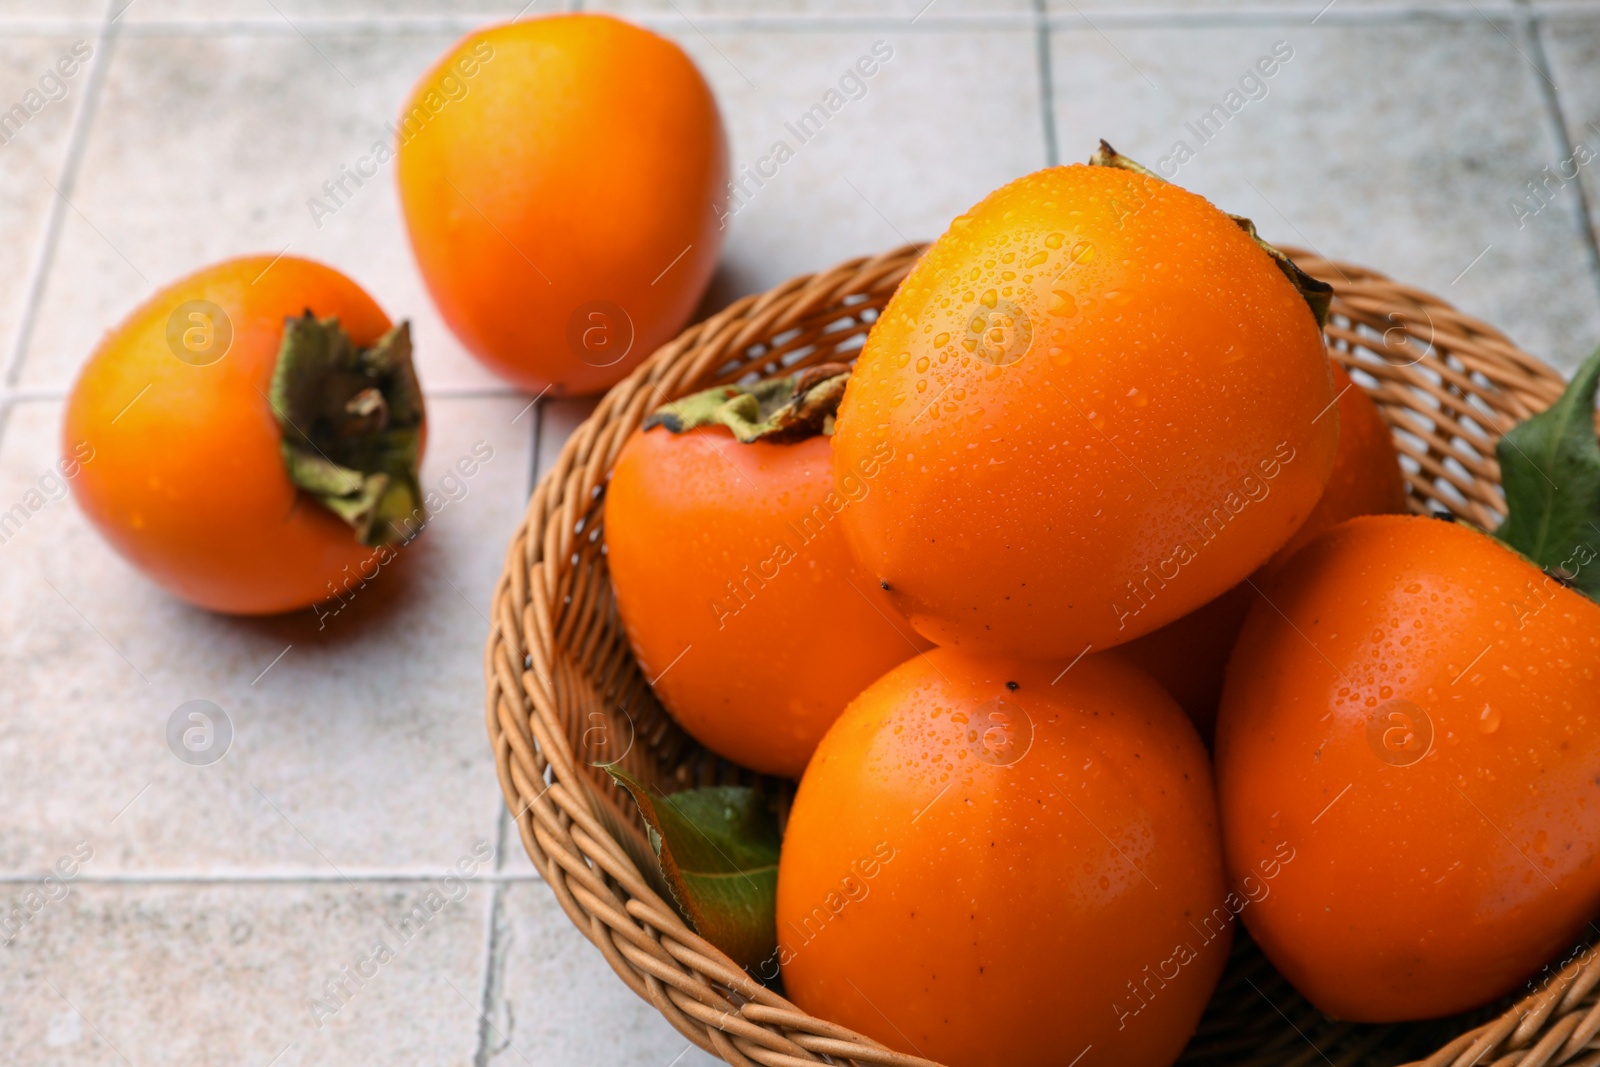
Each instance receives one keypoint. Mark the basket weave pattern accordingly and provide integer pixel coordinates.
(565, 694)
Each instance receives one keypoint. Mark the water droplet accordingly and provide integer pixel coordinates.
(1489, 719)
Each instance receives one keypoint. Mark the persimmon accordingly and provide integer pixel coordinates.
(1103, 394)
(1189, 655)
(1366, 478)
(733, 580)
(989, 865)
(1414, 712)
(257, 428)
(560, 179)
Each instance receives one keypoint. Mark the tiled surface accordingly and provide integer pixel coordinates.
(846, 191)
(1354, 148)
(239, 974)
(558, 1001)
(218, 900)
(248, 128)
(361, 749)
(33, 153)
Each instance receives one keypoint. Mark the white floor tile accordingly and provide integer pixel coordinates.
(1573, 48)
(361, 748)
(1396, 147)
(917, 147)
(33, 149)
(232, 975)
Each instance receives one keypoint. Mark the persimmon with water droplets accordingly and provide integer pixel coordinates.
(1104, 393)
(1189, 655)
(989, 867)
(1414, 710)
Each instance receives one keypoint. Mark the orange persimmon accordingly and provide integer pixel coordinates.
(249, 451)
(1412, 712)
(561, 180)
(738, 594)
(1103, 395)
(989, 866)
(1189, 655)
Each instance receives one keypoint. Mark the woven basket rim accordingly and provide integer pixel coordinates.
(1447, 382)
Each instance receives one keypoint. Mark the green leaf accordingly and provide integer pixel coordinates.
(718, 849)
(1550, 468)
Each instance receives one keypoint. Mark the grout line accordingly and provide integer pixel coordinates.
(137, 878)
(1558, 120)
(1215, 14)
(493, 948)
(55, 215)
(473, 392)
(1047, 100)
(489, 992)
(537, 429)
(54, 393)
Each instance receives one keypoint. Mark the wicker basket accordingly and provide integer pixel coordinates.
(565, 694)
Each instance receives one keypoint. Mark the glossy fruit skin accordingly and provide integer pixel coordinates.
(1418, 723)
(1151, 441)
(733, 552)
(971, 867)
(548, 205)
(1189, 655)
(1366, 478)
(187, 482)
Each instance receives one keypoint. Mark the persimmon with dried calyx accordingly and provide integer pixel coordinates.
(1104, 395)
(257, 428)
(561, 179)
(1189, 655)
(738, 594)
(985, 865)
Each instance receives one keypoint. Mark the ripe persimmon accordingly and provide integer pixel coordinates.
(734, 583)
(1414, 713)
(1103, 394)
(256, 428)
(1366, 478)
(560, 179)
(1189, 655)
(989, 865)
